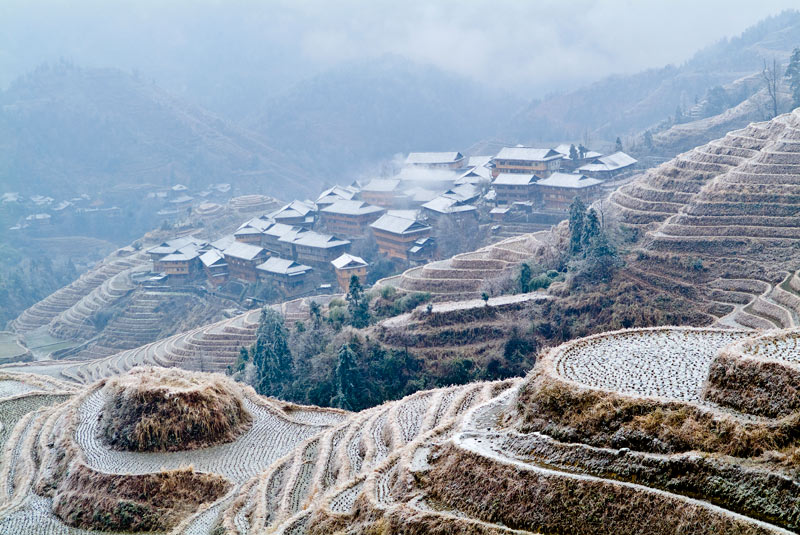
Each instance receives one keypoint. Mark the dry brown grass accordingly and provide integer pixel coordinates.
(160, 409)
(150, 502)
(574, 414)
(760, 387)
(552, 503)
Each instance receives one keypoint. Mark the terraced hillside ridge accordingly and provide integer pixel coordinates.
(608, 434)
(464, 275)
(210, 348)
(727, 208)
(92, 290)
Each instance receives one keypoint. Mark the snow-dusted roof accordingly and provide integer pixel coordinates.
(448, 205)
(317, 240)
(475, 175)
(209, 258)
(479, 161)
(381, 184)
(224, 242)
(463, 192)
(188, 253)
(293, 209)
(352, 208)
(176, 244)
(247, 231)
(528, 154)
(568, 180)
(348, 261)
(612, 162)
(245, 251)
(283, 266)
(433, 158)
(259, 223)
(279, 229)
(514, 179)
(398, 225)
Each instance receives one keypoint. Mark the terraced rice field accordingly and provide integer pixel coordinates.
(668, 363)
(296, 467)
(462, 276)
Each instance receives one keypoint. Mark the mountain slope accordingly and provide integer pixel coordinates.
(365, 112)
(72, 130)
(622, 105)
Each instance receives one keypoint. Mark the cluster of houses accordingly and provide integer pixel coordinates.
(305, 242)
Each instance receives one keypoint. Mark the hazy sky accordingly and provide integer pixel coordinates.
(526, 46)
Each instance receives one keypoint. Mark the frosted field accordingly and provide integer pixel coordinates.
(668, 363)
(780, 346)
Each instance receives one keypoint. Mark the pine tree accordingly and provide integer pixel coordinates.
(353, 391)
(618, 147)
(525, 278)
(357, 304)
(271, 354)
(573, 152)
(793, 75)
(577, 213)
(591, 230)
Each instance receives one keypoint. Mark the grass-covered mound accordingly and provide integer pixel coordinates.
(161, 409)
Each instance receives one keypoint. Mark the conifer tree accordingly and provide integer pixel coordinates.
(618, 146)
(577, 213)
(271, 354)
(591, 230)
(573, 152)
(357, 304)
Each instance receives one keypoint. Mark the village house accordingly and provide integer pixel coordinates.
(346, 266)
(287, 275)
(300, 213)
(349, 218)
(335, 194)
(242, 259)
(527, 161)
(318, 249)
(252, 231)
(271, 239)
(381, 192)
(215, 267)
(607, 167)
(422, 251)
(454, 209)
(513, 187)
(445, 160)
(181, 265)
(186, 244)
(557, 191)
(394, 235)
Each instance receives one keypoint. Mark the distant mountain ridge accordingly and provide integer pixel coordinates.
(67, 130)
(364, 112)
(626, 105)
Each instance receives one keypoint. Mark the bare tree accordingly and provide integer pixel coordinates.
(771, 78)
